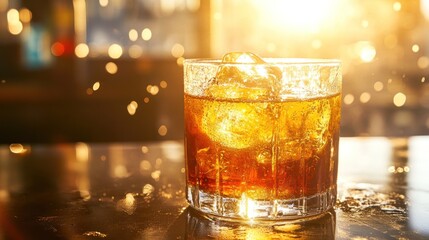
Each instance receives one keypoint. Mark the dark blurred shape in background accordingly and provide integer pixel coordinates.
(111, 70)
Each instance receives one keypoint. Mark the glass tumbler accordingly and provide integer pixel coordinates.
(262, 136)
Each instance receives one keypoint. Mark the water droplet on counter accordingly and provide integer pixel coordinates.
(128, 204)
(363, 198)
(94, 234)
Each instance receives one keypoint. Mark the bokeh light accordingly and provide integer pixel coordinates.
(135, 51)
(132, 107)
(81, 50)
(115, 51)
(25, 15)
(111, 67)
(365, 97)
(378, 86)
(399, 99)
(133, 35)
(57, 49)
(103, 3)
(162, 130)
(96, 86)
(397, 6)
(423, 62)
(146, 34)
(415, 48)
(163, 84)
(349, 99)
(177, 50)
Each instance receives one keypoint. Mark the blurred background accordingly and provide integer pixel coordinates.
(111, 70)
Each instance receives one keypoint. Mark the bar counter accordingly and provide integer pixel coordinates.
(133, 190)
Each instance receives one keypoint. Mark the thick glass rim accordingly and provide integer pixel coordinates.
(268, 61)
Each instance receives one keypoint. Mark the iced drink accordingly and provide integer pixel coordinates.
(261, 136)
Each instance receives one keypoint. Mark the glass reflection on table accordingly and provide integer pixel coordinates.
(192, 225)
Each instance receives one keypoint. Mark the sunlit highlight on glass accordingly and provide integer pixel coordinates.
(247, 207)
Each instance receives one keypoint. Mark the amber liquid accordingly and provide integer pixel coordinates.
(267, 150)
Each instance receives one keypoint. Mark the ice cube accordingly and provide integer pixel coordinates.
(241, 57)
(250, 78)
(304, 128)
(238, 125)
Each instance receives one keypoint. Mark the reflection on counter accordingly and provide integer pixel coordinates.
(192, 225)
(73, 191)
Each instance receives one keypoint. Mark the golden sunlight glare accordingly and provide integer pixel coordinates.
(303, 15)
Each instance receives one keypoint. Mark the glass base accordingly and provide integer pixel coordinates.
(237, 209)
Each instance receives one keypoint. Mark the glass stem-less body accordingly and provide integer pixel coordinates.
(262, 159)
